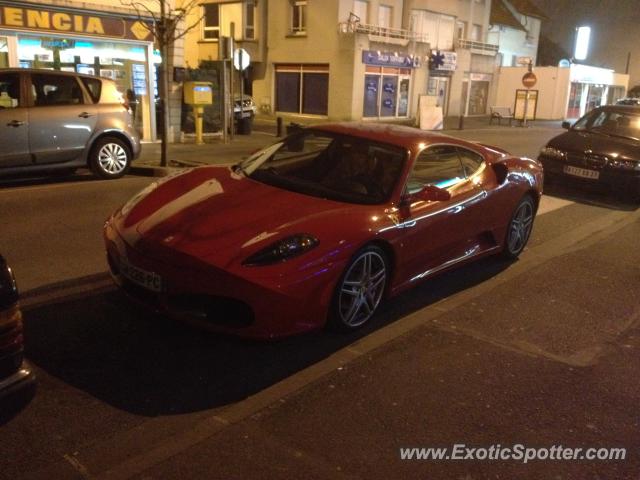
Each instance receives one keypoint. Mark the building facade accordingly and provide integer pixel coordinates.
(515, 28)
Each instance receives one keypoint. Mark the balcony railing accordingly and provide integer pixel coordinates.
(478, 47)
(378, 31)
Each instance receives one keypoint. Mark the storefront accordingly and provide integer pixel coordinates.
(590, 88)
(387, 84)
(92, 43)
(442, 65)
(475, 92)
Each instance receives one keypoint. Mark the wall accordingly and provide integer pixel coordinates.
(553, 90)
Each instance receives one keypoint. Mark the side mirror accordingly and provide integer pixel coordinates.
(566, 125)
(428, 193)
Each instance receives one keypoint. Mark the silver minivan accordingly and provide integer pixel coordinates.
(59, 121)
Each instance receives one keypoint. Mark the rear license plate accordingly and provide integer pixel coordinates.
(149, 280)
(581, 172)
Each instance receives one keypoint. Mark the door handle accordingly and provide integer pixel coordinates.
(85, 115)
(15, 123)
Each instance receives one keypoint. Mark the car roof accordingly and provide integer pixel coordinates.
(54, 72)
(410, 138)
(621, 108)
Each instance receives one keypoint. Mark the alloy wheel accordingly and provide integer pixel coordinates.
(362, 289)
(520, 227)
(112, 158)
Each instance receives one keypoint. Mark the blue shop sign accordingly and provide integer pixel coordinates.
(386, 59)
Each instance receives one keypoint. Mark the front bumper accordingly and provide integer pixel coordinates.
(15, 373)
(627, 181)
(250, 304)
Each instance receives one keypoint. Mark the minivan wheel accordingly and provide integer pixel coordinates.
(110, 158)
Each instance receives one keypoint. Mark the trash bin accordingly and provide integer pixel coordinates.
(244, 126)
(294, 128)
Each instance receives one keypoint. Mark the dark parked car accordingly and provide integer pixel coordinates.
(15, 374)
(59, 121)
(628, 101)
(603, 147)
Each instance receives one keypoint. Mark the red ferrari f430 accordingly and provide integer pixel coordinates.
(320, 227)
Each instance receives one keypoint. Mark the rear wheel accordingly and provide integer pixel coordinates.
(359, 290)
(110, 158)
(519, 228)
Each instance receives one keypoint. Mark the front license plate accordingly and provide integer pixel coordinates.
(149, 280)
(246, 114)
(581, 172)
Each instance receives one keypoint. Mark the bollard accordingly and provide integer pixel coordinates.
(279, 127)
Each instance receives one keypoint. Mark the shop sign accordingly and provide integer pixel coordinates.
(53, 21)
(480, 77)
(386, 59)
(443, 61)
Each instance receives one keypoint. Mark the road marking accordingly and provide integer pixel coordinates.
(549, 204)
(576, 239)
(81, 469)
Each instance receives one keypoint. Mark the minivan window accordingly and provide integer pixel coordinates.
(94, 86)
(9, 90)
(55, 90)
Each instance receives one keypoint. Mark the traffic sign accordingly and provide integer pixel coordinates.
(529, 79)
(241, 58)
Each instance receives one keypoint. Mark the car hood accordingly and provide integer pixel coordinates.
(582, 141)
(220, 217)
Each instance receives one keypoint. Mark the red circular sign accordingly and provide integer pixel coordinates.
(529, 79)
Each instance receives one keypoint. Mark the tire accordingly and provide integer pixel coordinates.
(519, 228)
(359, 290)
(110, 158)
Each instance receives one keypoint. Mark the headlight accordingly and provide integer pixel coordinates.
(624, 164)
(282, 250)
(553, 153)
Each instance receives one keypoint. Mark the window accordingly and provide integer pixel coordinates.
(438, 165)
(461, 29)
(302, 89)
(299, 17)
(218, 17)
(55, 90)
(476, 33)
(384, 16)
(361, 9)
(249, 23)
(386, 92)
(9, 90)
(95, 88)
(211, 14)
(471, 161)
(435, 28)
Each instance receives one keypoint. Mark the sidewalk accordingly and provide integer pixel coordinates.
(216, 151)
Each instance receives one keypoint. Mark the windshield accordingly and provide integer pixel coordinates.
(337, 167)
(619, 124)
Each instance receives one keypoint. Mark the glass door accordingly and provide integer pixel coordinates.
(4, 52)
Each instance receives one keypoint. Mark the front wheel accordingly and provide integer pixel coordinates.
(519, 228)
(110, 158)
(359, 290)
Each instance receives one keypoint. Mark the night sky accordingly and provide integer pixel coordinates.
(615, 30)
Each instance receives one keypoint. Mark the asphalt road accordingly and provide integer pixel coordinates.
(543, 352)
